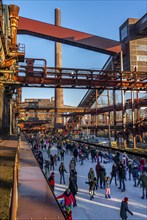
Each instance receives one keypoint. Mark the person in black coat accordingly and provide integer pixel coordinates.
(62, 170)
(102, 177)
(97, 169)
(75, 154)
(73, 188)
(114, 173)
(122, 176)
(124, 209)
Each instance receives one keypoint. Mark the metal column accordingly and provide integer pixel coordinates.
(109, 119)
(133, 120)
(123, 105)
(138, 118)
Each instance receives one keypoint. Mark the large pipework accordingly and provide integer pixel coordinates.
(13, 14)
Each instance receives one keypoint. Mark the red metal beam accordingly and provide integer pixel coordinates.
(69, 36)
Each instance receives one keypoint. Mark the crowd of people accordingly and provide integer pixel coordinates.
(122, 169)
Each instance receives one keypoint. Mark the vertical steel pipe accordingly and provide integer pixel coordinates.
(13, 14)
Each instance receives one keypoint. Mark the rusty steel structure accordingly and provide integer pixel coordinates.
(139, 125)
(123, 71)
(68, 36)
(10, 54)
(50, 77)
(138, 103)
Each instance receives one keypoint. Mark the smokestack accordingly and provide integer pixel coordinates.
(58, 63)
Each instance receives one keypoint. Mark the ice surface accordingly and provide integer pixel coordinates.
(100, 208)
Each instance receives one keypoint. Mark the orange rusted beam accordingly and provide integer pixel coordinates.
(69, 36)
(81, 83)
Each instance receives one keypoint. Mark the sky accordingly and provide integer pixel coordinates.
(100, 17)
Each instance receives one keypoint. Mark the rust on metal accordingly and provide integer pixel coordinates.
(69, 36)
(13, 14)
(80, 78)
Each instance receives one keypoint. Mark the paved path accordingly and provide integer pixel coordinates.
(35, 199)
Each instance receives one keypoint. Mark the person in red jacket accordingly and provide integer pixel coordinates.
(68, 198)
(51, 181)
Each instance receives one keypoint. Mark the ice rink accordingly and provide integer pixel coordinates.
(99, 208)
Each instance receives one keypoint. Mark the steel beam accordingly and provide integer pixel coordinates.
(69, 36)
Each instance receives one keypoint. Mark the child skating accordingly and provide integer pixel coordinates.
(107, 188)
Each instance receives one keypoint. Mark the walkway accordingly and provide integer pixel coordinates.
(35, 199)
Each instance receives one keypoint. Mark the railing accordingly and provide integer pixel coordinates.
(74, 78)
(14, 200)
(130, 152)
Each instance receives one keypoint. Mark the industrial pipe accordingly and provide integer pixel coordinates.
(13, 14)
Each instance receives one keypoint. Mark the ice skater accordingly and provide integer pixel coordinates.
(107, 188)
(124, 209)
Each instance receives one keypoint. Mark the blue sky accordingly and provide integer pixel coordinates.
(101, 18)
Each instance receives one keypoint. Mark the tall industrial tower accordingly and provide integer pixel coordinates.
(58, 122)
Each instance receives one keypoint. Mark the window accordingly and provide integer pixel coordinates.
(142, 47)
(142, 58)
(124, 32)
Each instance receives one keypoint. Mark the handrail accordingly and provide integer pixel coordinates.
(129, 152)
(14, 200)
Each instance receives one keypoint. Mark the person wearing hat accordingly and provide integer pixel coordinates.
(124, 209)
